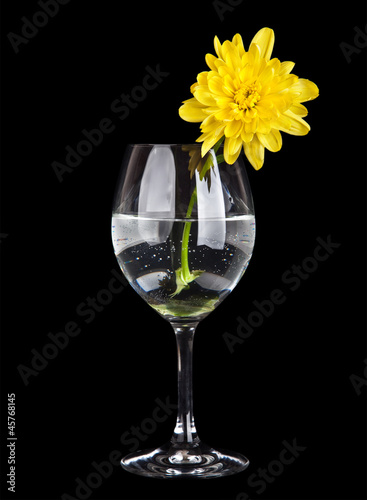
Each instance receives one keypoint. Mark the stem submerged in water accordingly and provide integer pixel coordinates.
(185, 240)
(183, 275)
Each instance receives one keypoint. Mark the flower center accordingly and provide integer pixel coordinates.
(246, 97)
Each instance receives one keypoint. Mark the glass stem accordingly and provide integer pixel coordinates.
(185, 431)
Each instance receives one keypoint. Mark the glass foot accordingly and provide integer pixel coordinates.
(188, 461)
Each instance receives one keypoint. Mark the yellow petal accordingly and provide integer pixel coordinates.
(233, 145)
(237, 40)
(286, 67)
(233, 128)
(299, 109)
(215, 85)
(208, 144)
(203, 95)
(224, 115)
(308, 90)
(267, 75)
(193, 87)
(246, 137)
(230, 84)
(209, 124)
(264, 126)
(271, 141)
(254, 54)
(276, 64)
(275, 104)
(250, 128)
(255, 152)
(211, 61)
(226, 70)
(202, 78)
(224, 102)
(232, 149)
(297, 125)
(218, 47)
(265, 40)
(283, 123)
(246, 73)
(284, 83)
(265, 108)
(231, 55)
(192, 111)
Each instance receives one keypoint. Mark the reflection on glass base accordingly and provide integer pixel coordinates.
(175, 461)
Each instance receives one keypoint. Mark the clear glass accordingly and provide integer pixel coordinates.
(183, 240)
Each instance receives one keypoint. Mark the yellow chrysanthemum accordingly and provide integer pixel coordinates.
(249, 98)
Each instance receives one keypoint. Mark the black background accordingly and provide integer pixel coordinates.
(290, 380)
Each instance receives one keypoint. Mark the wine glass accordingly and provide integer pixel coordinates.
(183, 231)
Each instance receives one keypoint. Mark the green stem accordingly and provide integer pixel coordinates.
(185, 239)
